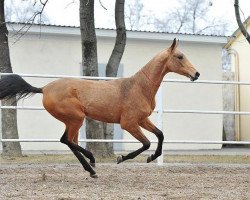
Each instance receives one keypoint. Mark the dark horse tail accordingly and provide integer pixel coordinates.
(15, 86)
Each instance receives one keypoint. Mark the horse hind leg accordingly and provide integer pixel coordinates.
(71, 113)
(67, 139)
(70, 137)
(85, 152)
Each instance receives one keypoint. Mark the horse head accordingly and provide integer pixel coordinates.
(179, 64)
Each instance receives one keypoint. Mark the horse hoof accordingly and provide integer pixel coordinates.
(150, 158)
(92, 164)
(93, 176)
(119, 159)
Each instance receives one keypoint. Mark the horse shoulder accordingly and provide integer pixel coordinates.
(134, 102)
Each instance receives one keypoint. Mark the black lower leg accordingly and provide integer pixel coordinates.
(134, 153)
(77, 153)
(85, 152)
(158, 151)
(84, 163)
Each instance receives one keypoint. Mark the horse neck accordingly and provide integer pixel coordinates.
(153, 73)
(156, 69)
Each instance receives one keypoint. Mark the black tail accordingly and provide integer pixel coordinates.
(15, 86)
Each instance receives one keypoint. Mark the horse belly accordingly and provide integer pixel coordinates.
(103, 107)
(101, 100)
(104, 113)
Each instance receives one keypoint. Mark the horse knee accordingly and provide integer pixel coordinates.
(159, 134)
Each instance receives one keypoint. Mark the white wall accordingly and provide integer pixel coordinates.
(61, 54)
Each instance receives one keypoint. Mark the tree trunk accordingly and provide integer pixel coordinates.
(94, 129)
(115, 59)
(9, 116)
(241, 26)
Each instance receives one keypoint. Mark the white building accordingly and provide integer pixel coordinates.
(57, 50)
(239, 49)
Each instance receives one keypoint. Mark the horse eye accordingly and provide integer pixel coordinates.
(180, 57)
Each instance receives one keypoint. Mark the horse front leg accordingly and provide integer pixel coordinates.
(135, 130)
(148, 125)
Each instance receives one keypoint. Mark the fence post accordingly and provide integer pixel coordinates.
(160, 119)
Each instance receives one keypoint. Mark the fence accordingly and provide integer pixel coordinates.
(159, 110)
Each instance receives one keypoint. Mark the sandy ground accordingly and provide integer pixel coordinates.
(184, 181)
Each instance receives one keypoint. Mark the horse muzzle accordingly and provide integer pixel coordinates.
(194, 78)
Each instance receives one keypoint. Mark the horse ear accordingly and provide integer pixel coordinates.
(174, 45)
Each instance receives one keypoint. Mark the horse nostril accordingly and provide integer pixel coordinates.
(197, 74)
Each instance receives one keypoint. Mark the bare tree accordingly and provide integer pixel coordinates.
(136, 16)
(191, 16)
(173, 21)
(25, 11)
(120, 43)
(28, 12)
(241, 26)
(8, 117)
(95, 129)
(133, 15)
(115, 59)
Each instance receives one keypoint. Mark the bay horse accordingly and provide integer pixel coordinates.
(128, 101)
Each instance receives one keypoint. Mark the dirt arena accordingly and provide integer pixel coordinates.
(66, 181)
